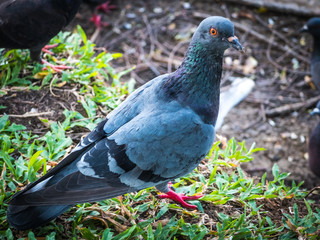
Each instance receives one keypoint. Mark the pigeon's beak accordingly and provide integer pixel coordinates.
(303, 29)
(315, 111)
(234, 42)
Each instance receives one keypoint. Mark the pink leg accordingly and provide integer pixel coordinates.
(54, 67)
(106, 7)
(51, 46)
(96, 19)
(47, 47)
(180, 198)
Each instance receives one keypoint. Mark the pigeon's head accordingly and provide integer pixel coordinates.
(216, 33)
(316, 111)
(312, 27)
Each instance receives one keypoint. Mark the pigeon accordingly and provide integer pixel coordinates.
(313, 27)
(30, 24)
(161, 132)
(314, 145)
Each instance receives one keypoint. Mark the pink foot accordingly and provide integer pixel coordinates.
(47, 47)
(180, 198)
(106, 7)
(96, 19)
(54, 67)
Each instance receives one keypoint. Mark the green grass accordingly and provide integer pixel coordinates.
(235, 206)
(90, 69)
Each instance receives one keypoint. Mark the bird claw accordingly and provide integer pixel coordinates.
(53, 67)
(96, 19)
(51, 46)
(56, 68)
(47, 47)
(180, 198)
(106, 7)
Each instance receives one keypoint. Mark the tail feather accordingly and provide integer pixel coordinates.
(26, 217)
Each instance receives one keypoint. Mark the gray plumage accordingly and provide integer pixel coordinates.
(160, 132)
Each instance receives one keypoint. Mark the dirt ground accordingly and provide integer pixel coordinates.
(154, 35)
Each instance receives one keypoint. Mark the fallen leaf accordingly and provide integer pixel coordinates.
(41, 75)
(61, 84)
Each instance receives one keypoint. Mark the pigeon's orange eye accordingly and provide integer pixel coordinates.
(213, 31)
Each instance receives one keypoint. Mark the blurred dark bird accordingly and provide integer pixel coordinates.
(314, 145)
(313, 28)
(161, 132)
(99, 5)
(30, 24)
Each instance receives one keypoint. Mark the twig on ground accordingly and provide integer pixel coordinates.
(26, 115)
(95, 35)
(50, 86)
(287, 108)
(17, 101)
(311, 191)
